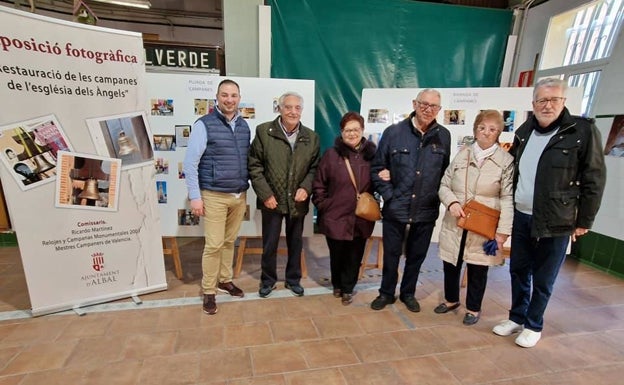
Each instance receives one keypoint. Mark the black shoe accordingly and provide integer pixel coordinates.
(295, 288)
(411, 303)
(231, 289)
(265, 290)
(471, 319)
(210, 305)
(442, 308)
(337, 293)
(347, 298)
(381, 301)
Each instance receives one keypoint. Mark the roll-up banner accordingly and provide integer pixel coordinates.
(77, 161)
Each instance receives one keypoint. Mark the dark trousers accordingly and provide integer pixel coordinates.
(271, 229)
(534, 264)
(416, 246)
(345, 258)
(477, 280)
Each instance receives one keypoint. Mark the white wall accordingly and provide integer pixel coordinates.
(608, 100)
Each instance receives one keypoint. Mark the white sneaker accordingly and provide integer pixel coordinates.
(528, 338)
(507, 328)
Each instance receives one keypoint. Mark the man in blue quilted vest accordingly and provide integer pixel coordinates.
(216, 176)
(415, 152)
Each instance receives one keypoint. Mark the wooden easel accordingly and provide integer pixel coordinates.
(367, 250)
(243, 249)
(170, 247)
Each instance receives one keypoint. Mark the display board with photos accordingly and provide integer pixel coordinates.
(177, 101)
(382, 107)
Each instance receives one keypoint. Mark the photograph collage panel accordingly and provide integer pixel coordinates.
(29, 150)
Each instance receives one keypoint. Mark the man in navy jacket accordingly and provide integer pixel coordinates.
(416, 152)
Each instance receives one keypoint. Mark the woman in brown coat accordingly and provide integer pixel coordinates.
(482, 171)
(334, 195)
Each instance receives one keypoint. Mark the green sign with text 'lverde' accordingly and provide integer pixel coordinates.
(208, 59)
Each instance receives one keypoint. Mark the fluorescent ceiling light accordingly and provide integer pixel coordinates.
(128, 3)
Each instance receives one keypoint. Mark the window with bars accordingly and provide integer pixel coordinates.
(578, 44)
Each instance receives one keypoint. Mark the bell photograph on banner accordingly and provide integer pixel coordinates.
(29, 150)
(124, 137)
(87, 182)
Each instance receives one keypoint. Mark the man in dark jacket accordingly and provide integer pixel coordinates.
(215, 167)
(416, 152)
(283, 158)
(558, 184)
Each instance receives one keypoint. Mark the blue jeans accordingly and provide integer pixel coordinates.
(537, 260)
(416, 246)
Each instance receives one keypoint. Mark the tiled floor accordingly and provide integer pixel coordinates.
(313, 339)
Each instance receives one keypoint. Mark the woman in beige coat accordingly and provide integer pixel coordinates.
(489, 173)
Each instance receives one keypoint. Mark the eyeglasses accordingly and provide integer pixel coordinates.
(424, 106)
(553, 101)
(490, 129)
(352, 131)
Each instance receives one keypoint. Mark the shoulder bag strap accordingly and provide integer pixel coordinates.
(466, 180)
(357, 191)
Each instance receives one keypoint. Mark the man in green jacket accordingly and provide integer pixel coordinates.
(282, 161)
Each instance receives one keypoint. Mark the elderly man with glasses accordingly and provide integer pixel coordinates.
(406, 171)
(559, 179)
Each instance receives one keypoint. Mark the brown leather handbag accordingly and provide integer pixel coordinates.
(367, 206)
(479, 219)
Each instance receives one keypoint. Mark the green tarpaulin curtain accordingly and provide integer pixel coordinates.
(349, 45)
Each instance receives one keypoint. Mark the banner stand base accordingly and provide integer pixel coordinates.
(136, 300)
(79, 311)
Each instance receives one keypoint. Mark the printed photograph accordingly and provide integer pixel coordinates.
(276, 105)
(161, 165)
(181, 170)
(182, 132)
(162, 107)
(187, 218)
(164, 142)
(161, 190)
(378, 115)
(508, 119)
(463, 141)
(211, 105)
(201, 106)
(247, 110)
(400, 117)
(125, 137)
(87, 182)
(615, 141)
(29, 150)
(452, 117)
